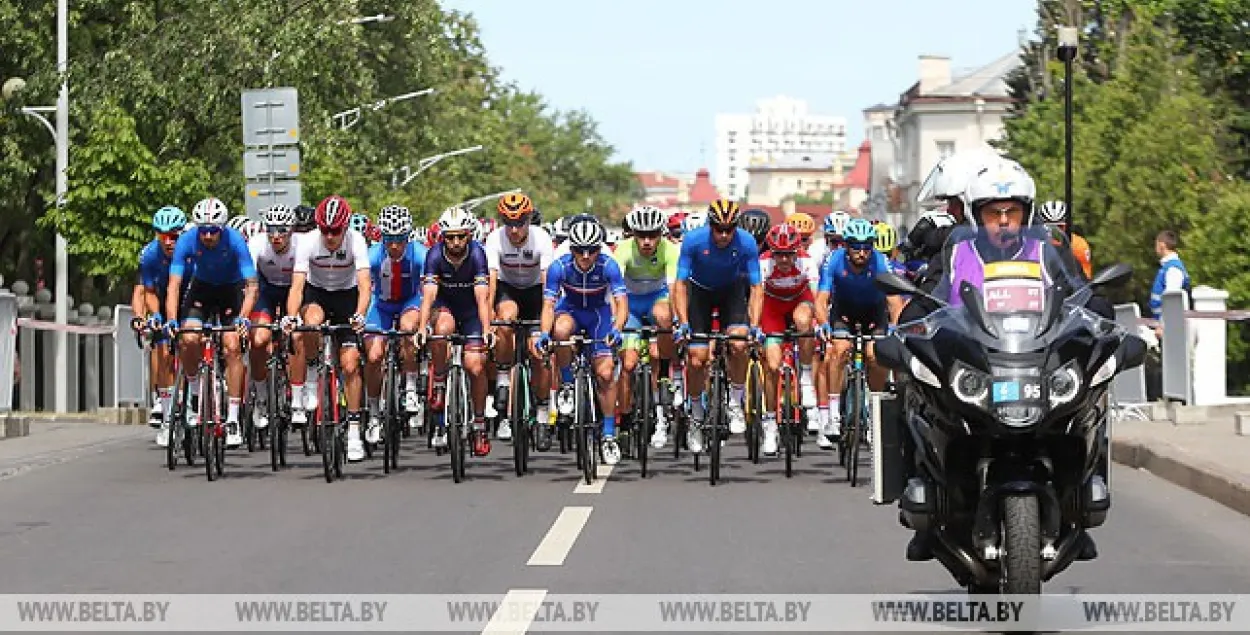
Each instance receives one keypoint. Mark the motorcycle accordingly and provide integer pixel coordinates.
(1004, 457)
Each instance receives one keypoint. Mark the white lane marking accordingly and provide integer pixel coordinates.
(515, 612)
(559, 540)
(602, 474)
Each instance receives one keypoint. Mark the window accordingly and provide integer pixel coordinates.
(945, 149)
(799, 184)
(733, 191)
(733, 172)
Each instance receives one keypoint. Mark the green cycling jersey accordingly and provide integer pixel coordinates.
(647, 274)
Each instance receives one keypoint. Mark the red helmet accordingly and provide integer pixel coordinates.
(432, 236)
(333, 213)
(783, 237)
(674, 221)
(373, 233)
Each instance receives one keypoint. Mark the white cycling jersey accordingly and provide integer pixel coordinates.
(521, 266)
(331, 270)
(273, 267)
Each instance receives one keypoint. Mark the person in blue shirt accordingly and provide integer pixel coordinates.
(718, 264)
(395, 264)
(154, 260)
(456, 296)
(222, 288)
(585, 293)
(847, 298)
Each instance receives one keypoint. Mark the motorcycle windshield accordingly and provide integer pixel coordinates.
(1008, 290)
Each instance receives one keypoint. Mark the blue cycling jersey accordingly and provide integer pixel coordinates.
(229, 262)
(711, 267)
(456, 283)
(579, 289)
(396, 281)
(154, 266)
(849, 289)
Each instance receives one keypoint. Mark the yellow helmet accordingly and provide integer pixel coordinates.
(887, 238)
(802, 222)
(723, 212)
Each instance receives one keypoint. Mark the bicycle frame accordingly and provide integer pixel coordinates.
(585, 420)
(458, 388)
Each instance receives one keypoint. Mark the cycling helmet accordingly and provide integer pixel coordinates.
(333, 213)
(359, 222)
(1053, 212)
(210, 211)
(559, 229)
(693, 221)
(756, 222)
(585, 232)
(484, 227)
(950, 177)
(456, 219)
(613, 236)
(783, 237)
(304, 215)
(859, 230)
(372, 233)
(434, 235)
(887, 238)
(537, 217)
(835, 222)
(802, 222)
(237, 222)
(675, 221)
(395, 220)
(723, 212)
(514, 207)
(252, 228)
(1000, 181)
(418, 234)
(169, 219)
(645, 218)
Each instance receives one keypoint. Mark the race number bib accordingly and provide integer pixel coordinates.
(1013, 287)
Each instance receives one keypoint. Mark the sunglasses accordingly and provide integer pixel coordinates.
(278, 229)
(169, 235)
(584, 251)
(521, 222)
(392, 240)
(331, 231)
(455, 237)
(859, 246)
(790, 254)
(209, 230)
(724, 229)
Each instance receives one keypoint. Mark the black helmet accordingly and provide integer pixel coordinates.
(536, 218)
(756, 222)
(304, 215)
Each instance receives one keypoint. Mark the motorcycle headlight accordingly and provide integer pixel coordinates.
(1064, 384)
(1105, 372)
(922, 373)
(969, 385)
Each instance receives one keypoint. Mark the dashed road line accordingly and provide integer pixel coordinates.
(559, 540)
(515, 612)
(602, 474)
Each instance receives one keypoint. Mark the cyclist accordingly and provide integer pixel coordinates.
(154, 261)
(221, 287)
(717, 266)
(834, 228)
(304, 221)
(329, 285)
(648, 264)
(563, 248)
(395, 265)
(273, 256)
(887, 244)
(847, 297)
(1054, 215)
(456, 295)
(756, 222)
(806, 226)
(518, 255)
(676, 223)
(788, 302)
(591, 299)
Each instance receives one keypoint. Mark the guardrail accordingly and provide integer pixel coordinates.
(106, 366)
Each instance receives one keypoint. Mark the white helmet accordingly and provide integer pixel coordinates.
(693, 221)
(835, 222)
(950, 177)
(279, 216)
(419, 234)
(998, 181)
(210, 211)
(251, 228)
(457, 219)
(237, 222)
(939, 217)
(645, 218)
(1053, 212)
(613, 236)
(586, 233)
(395, 220)
(560, 228)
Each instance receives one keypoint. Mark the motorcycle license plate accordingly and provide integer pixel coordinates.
(1010, 391)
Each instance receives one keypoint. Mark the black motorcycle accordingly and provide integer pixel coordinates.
(1003, 411)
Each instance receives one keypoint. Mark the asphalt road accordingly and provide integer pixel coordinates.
(106, 516)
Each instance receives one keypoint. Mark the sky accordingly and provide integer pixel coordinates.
(654, 73)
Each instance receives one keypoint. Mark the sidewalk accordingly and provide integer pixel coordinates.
(57, 441)
(1207, 458)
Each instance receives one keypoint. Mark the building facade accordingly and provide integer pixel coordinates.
(780, 126)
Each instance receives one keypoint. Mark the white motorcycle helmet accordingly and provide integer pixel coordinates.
(999, 181)
(950, 177)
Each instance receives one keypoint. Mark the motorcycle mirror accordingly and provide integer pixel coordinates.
(891, 353)
(1132, 352)
(894, 284)
(1113, 276)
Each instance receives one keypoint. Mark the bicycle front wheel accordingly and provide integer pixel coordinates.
(715, 421)
(790, 429)
(456, 421)
(644, 414)
(326, 424)
(520, 413)
(583, 402)
(851, 430)
(208, 424)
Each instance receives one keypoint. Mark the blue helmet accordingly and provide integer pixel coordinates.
(359, 222)
(168, 219)
(859, 230)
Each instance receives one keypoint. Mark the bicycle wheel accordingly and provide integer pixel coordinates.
(861, 428)
(245, 417)
(456, 416)
(175, 425)
(850, 430)
(754, 398)
(208, 426)
(644, 414)
(398, 419)
(277, 419)
(715, 421)
(519, 414)
(584, 414)
(787, 421)
(326, 424)
(388, 415)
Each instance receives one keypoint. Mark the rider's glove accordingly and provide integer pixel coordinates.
(757, 334)
(155, 321)
(489, 339)
(825, 332)
(289, 322)
(890, 329)
(543, 343)
(681, 332)
(137, 324)
(420, 337)
(171, 327)
(613, 338)
(357, 321)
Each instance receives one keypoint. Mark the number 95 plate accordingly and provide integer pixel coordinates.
(1013, 390)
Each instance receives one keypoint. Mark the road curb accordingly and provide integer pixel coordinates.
(1179, 467)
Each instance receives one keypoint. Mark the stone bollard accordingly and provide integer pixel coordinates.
(16, 426)
(1241, 424)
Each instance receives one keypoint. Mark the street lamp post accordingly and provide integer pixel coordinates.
(1068, 40)
(472, 203)
(409, 174)
(350, 117)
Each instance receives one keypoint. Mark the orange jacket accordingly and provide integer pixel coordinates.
(1080, 249)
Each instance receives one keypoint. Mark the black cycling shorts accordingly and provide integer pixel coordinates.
(529, 301)
(212, 303)
(338, 307)
(871, 320)
(731, 301)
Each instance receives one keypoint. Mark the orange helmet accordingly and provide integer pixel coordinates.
(514, 207)
(802, 222)
(723, 211)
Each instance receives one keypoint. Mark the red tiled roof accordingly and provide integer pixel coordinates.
(858, 177)
(703, 191)
(655, 180)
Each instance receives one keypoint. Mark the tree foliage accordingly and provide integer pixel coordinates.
(156, 86)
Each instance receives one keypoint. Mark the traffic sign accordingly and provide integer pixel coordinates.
(262, 194)
(270, 117)
(279, 162)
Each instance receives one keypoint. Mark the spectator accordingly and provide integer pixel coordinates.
(1172, 274)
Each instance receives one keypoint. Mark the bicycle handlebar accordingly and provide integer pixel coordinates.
(324, 328)
(647, 331)
(720, 337)
(389, 333)
(515, 323)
